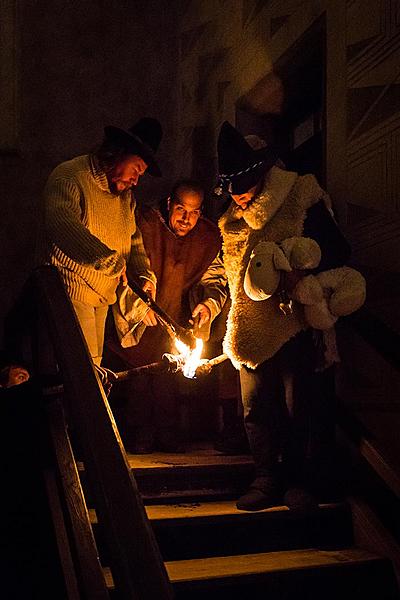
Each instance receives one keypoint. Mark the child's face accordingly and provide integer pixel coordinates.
(17, 375)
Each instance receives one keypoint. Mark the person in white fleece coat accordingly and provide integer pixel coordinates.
(268, 338)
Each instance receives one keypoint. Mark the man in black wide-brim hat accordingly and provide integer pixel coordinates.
(89, 223)
(268, 338)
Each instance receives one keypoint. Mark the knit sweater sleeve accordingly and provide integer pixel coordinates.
(65, 230)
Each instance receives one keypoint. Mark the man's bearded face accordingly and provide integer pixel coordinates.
(126, 173)
(184, 211)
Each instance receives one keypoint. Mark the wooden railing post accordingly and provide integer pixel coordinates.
(137, 567)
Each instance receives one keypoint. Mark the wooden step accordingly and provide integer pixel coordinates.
(297, 574)
(208, 569)
(198, 474)
(204, 529)
(220, 529)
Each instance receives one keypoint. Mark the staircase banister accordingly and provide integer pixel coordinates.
(386, 342)
(378, 334)
(137, 566)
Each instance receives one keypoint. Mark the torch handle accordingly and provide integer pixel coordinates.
(151, 303)
(207, 366)
(173, 328)
(156, 367)
(168, 364)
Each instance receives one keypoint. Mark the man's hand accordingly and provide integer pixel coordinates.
(123, 278)
(150, 289)
(150, 318)
(203, 313)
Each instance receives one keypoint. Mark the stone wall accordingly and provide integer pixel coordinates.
(68, 69)
(230, 51)
(232, 54)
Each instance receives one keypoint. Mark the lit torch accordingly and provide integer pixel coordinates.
(188, 361)
(191, 358)
(175, 363)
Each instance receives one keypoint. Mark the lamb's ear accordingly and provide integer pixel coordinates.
(308, 291)
(281, 263)
(261, 278)
(348, 290)
(303, 252)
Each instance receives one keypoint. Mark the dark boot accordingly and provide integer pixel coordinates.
(300, 500)
(170, 441)
(233, 440)
(264, 492)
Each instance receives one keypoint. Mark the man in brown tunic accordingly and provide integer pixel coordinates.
(183, 248)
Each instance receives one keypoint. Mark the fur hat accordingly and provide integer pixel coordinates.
(240, 166)
(142, 139)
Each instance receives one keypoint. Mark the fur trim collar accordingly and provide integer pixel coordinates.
(265, 205)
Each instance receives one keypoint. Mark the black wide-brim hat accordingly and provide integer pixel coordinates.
(240, 167)
(142, 139)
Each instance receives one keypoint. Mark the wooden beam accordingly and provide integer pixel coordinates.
(84, 545)
(136, 562)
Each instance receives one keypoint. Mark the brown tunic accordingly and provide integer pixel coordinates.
(179, 263)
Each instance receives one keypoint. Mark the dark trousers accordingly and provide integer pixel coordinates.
(289, 410)
(153, 405)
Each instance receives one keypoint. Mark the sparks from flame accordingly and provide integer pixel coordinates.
(192, 358)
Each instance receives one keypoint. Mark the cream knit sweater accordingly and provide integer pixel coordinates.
(91, 233)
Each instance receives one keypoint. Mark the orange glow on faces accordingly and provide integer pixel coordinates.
(126, 173)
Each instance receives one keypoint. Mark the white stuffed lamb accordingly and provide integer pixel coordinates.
(268, 259)
(330, 295)
(325, 296)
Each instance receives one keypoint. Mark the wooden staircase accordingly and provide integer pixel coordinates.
(213, 550)
(160, 526)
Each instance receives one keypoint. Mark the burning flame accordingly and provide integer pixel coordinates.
(191, 358)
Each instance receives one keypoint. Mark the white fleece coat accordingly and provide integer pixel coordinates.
(257, 330)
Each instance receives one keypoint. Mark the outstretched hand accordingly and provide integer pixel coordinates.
(150, 319)
(150, 289)
(123, 278)
(202, 313)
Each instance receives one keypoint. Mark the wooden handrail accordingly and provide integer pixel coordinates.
(368, 447)
(386, 343)
(383, 339)
(82, 543)
(137, 566)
